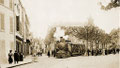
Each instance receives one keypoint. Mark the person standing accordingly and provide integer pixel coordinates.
(21, 56)
(88, 52)
(48, 54)
(54, 53)
(16, 57)
(106, 51)
(10, 59)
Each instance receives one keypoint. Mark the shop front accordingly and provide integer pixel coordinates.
(19, 45)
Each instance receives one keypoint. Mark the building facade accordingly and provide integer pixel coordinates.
(22, 28)
(7, 34)
(14, 29)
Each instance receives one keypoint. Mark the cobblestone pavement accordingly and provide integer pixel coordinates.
(109, 61)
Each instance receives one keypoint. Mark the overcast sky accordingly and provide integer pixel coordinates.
(45, 13)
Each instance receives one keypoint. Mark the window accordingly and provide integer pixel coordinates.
(11, 25)
(1, 1)
(17, 23)
(2, 25)
(11, 4)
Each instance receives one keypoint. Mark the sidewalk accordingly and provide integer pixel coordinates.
(27, 60)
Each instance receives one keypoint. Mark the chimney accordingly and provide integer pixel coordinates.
(62, 39)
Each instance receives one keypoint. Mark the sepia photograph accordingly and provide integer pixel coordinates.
(59, 33)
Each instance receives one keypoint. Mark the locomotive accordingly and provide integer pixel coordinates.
(65, 48)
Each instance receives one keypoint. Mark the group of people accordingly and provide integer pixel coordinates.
(104, 51)
(17, 57)
(39, 53)
(52, 53)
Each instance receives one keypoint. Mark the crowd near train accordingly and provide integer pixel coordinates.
(65, 48)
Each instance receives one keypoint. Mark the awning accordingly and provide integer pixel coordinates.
(17, 37)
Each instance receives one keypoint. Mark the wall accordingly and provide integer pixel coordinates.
(6, 37)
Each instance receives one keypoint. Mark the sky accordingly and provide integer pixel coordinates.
(43, 14)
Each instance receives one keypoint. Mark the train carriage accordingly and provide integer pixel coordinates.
(78, 49)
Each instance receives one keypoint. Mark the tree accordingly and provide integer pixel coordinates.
(115, 36)
(50, 36)
(112, 4)
(93, 34)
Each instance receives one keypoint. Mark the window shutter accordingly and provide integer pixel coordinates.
(2, 22)
(2, 1)
(10, 4)
(11, 24)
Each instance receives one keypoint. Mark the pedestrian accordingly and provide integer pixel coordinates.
(16, 57)
(40, 52)
(88, 52)
(54, 53)
(117, 50)
(106, 51)
(21, 56)
(10, 59)
(92, 52)
(35, 58)
(48, 54)
(114, 51)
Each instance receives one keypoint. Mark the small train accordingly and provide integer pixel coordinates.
(64, 49)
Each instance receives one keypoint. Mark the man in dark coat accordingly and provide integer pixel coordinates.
(16, 57)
